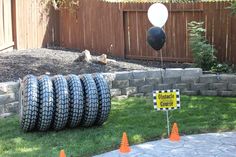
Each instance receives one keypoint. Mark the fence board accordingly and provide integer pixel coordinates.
(232, 57)
(6, 39)
(7, 20)
(33, 26)
(1, 23)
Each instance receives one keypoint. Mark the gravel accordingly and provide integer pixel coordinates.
(18, 63)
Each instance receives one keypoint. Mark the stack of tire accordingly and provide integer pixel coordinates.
(59, 102)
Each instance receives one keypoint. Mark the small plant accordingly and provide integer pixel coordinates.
(61, 4)
(233, 8)
(203, 52)
(221, 68)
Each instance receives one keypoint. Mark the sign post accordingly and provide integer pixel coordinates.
(168, 122)
(165, 100)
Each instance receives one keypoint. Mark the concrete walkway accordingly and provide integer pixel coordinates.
(203, 145)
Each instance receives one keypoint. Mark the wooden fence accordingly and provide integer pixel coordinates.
(120, 29)
(33, 26)
(97, 26)
(116, 29)
(6, 40)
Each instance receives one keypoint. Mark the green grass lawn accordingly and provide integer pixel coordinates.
(136, 116)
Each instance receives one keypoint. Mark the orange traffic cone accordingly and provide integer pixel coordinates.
(124, 146)
(62, 153)
(174, 136)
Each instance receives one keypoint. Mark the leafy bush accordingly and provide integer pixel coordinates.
(58, 4)
(222, 68)
(233, 7)
(203, 52)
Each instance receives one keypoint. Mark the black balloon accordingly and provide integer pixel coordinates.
(156, 38)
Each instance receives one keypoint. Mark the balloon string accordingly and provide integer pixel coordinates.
(161, 60)
(162, 77)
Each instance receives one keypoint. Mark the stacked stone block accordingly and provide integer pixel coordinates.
(9, 97)
(190, 81)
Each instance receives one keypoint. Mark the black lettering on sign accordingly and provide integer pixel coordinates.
(167, 103)
(171, 96)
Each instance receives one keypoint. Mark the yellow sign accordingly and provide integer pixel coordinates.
(166, 99)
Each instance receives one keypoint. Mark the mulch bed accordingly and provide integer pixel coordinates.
(16, 64)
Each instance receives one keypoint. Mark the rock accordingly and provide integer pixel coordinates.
(84, 56)
(138, 95)
(146, 89)
(137, 82)
(120, 83)
(102, 59)
(189, 93)
(4, 115)
(139, 74)
(129, 91)
(115, 92)
(123, 75)
(121, 97)
(208, 92)
(87, 57)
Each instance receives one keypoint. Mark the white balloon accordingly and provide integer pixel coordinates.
(158, 14)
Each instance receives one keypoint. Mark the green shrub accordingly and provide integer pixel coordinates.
(59, 4)
(203, 52)
(222, 68)
(233, 7)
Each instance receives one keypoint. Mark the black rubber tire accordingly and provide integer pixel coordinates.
(61, 100)
(29, 102)
(104, 99)
(76, 100)
(45, 103)
(91, 100)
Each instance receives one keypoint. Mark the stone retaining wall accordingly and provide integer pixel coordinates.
(9, 97)
(190, 81)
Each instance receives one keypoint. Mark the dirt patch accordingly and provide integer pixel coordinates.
(17, 64)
